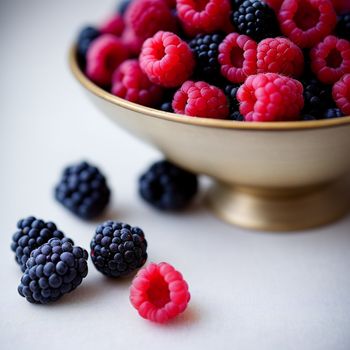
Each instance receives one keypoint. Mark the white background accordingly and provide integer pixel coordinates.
(250, 290)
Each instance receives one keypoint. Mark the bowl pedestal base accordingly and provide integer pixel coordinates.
(280, 209)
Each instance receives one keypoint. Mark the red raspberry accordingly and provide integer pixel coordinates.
(103, 57)
(269, 97)
(132, 42)
(113, 25)
(275, 4)
(166, 59)
(147, 17)
(330, 59)
(131, 83)
(307, 22)
(280, 55)
(199, 99)
(341, 6)
(341, 94)
(237, 57)
(159, 292)
(202, 16)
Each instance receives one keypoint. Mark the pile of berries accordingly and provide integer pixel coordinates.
(243, 60)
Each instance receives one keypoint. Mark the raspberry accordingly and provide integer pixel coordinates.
(131, 83)
(159, 292)
(132, 42)
(270, 97)
(204, 16)
(307, 22)
(280, 55)
(103, 57)
(275, 4)
(86, 36)
(199, 99)
(237, 57)
(330, 59)
(341, 6)
(113, 25)
(166, 59)
(147, 17)
(341, 94)
(343, 27)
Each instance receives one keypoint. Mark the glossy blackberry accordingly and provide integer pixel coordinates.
(117, 249)
(343, 27)
(331, 113)
(32, 233)
(83, 190)
(236, 116)
(206, 50)
(167, 187)
(123, 6)
(54, 269)
(255, 19)
(85, 38)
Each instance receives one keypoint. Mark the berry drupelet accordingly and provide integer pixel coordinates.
(54, 269)
(167, 187)
(31, 234)
(83, 190)
(117, 249)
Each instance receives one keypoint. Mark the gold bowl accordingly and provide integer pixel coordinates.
(266, 176)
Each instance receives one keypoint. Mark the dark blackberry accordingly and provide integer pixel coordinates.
(31, 234)
(166, 107)
(167, 187)
(54, 269)
(85, 37)
(83, 190)
(236, 116)
(231, 93)
(308, 117)
(255, 19)
(123, 6)
(343, 26)
(235, 4)
(206, 50)
(331, 113)
(117, 249)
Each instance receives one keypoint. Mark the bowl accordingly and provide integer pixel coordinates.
(269, 176)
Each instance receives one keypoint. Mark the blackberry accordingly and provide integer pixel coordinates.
(255, 19)
(83, 190)
(235, 4)
(331, 113)
(31, 234)
(85, 38)
(206, 50)
(308, 117)
(123, 6)
(117, 249)
(166, 107)
(236, 116)
(343, 27)
(54, 269)
(167, 187)
(231, 93)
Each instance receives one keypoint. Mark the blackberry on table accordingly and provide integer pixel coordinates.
(343, 27)
(117, 249)
(167, 187)
(85, 38)
(31, 234)
(54, 269)
(83, 190)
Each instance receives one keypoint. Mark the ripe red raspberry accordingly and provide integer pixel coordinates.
(341, 6)
(307, 22)
(330, 59)
(237, 57)
(131, 83)
(113, 25)
(280, 55)
(204, 16)
(341, 94)
(159, 292)
(132, 42)
(166, 59)
(269, 97)
(147, 17)
(103, 57)
(199, 99)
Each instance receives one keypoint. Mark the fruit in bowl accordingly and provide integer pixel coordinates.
(259, 98)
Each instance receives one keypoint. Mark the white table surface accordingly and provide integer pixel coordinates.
(250, 290)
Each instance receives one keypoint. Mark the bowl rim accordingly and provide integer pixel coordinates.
(205, 122)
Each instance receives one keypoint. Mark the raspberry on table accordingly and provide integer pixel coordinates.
(168, 187)
(199, 99)
(159, 292)
(280, 55)
(341, 94)
(103, 57)
(113, 25)
(330, 59)
(83, 190)
(205, 16)
(255, 19)
(132, 84)
(307, 22)
(54, 269)
(332, 113)
(31, 234)
(343, 27)
(86, 36)
(117, 249)
(166, 59)
(237, 57)
(267, 97)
